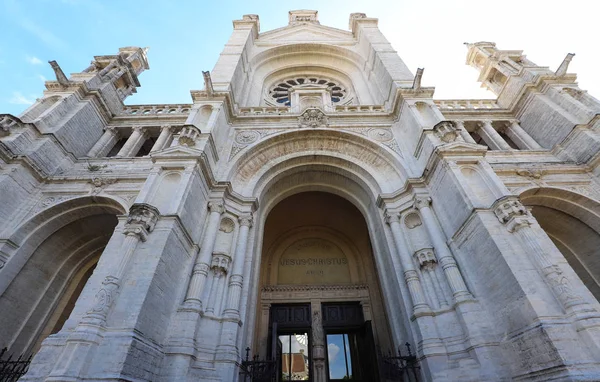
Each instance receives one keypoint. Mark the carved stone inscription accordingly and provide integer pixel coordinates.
(313, 261)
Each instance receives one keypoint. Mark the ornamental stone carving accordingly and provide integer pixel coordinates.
(412, 220)
(425, 256)
(141, 220)
(220, 264)
(247, 137)
(380, 135)
(313, 117)
(227, 225)
(216, 207)
(508, 210)
(513, 214)
(446, 131)
(421, 202)
(188, 135)
(103, 299)
(101, 183)
(245, 220)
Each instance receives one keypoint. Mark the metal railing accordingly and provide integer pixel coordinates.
(12, 369)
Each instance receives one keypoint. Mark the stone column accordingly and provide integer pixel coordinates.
(318, 344)
(202, 265)
(105, 143)
(426, 328)
(446, 259)
(411, 276)
(163, 138)
(134, 142)
(236, 280)
(220, 267)
(83, 340)
(520, 137)
(491, 136)
(519, 221)
(140, 222)
(460, 125)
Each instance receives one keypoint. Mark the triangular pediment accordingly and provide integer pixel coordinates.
(458, 147)
(308, 32)
(176, 152)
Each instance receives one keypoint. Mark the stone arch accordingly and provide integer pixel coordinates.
(572, 221)
(53, 252)
(343, 61)
(352, 168)
(382, 170)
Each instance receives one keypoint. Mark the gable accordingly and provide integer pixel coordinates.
(306, 33)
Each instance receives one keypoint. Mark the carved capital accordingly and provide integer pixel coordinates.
(216, 207)
(201, 269)
(166, 128)
(220, 264)
(391, 217)
(245, 220)
(425, 257)
(188, 135)
(113, 131)
(313, 117)
(446, 131)
(421, 201)
(513, 214)
(141, 220)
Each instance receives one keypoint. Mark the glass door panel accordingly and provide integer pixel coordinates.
(339, 357)
(295, 365)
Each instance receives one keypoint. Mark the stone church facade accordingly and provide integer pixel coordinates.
(312, 189)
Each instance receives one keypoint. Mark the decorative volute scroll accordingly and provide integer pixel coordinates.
(313, 117)
(188, 135)
(141, 220)
(447, 131)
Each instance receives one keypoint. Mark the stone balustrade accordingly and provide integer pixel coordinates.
(466, 104)
(156, 109)
(360, 109)
(264, 110)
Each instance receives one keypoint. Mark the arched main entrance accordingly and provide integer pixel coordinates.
(319, 291)
(57, 252)
(572, 221)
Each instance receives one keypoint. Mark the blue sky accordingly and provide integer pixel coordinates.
(186, 37)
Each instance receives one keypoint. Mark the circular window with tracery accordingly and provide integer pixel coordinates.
(280, 91)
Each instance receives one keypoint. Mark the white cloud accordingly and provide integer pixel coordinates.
(332, 350)
(19, 99)
(47, 37)
(34, 60)
(44, 79)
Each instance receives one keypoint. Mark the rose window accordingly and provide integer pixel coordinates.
(280, 91)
